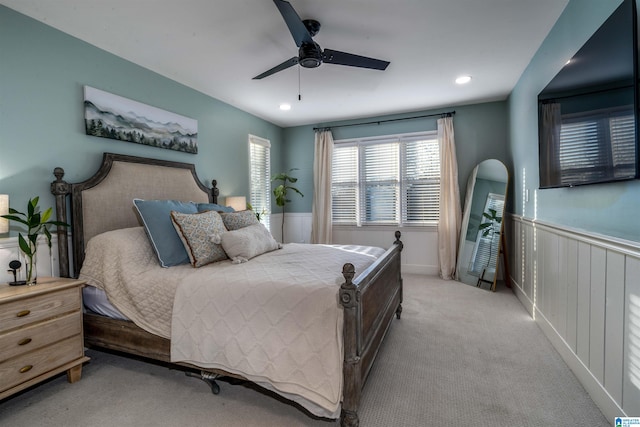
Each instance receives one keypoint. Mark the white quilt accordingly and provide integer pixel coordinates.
(274, 320)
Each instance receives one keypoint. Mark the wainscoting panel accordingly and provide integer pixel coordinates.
(631, 369)
(584, 291)
(584, 302)
(47, 261)
(614, 325)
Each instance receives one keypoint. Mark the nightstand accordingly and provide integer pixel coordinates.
(40, 333)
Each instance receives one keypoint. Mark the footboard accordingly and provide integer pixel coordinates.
(370, 301)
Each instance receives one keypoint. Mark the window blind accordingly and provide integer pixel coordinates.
(260, 177)
(485, 251)
(386, 180)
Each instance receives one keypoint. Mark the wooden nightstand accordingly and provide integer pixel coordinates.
(40, 333)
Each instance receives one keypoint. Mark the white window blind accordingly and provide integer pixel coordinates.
(386, 180)
(485, 251)
(260, 177)
(597, 147)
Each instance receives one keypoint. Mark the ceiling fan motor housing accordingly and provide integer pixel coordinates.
(310, 55)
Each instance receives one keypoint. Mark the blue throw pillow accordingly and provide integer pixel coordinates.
(156, 218)
(203, 207)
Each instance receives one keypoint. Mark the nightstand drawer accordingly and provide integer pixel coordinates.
(51, 304)
(30, 365)
(38, 335)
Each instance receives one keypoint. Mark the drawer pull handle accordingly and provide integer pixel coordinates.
(24, 341)
(23, 313)
(25, 369)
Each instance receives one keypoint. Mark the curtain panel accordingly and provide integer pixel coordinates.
(450, 211)
(321, 205)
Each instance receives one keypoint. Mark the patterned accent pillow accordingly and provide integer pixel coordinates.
(238, 220)
(195, 231)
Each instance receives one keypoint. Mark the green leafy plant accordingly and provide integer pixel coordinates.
(280, 192)
(493, 224)
(490, 228)
(37, 222)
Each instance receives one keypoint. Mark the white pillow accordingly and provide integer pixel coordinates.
(245, 243)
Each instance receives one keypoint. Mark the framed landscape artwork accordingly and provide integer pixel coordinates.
(111, 116)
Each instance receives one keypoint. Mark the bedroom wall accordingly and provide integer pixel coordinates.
(610, 209)
(43, 72)
(480, 133)
(575, 253)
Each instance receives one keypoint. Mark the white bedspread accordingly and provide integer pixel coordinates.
(274, 320)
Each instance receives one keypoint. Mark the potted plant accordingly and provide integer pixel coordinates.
(280, 192)
(37, 222)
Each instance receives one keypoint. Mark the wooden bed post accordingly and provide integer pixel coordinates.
(60, 189)
(215, 192)
(352, 388)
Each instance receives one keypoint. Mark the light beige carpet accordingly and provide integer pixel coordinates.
(458, 356)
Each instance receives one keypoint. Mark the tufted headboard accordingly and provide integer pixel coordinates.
(104, 202)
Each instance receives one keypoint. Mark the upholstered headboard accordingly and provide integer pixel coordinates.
(104, 202)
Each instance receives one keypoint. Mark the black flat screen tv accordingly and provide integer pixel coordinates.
(588, 113)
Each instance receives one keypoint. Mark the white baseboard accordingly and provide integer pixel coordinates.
(429, 270)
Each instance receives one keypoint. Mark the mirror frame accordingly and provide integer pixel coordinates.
(471, 183)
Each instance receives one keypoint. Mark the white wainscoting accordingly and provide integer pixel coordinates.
(46, 261)
(583, 290)
(297, 227)
(419, 256)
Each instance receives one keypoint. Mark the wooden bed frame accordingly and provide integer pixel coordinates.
(370, 298)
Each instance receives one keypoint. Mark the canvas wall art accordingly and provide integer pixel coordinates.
(111, 116)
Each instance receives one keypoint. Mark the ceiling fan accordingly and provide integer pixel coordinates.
(310, 54)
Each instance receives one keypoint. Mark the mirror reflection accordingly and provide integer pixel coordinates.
(480, 234)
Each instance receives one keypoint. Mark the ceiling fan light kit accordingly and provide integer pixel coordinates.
(310, 54)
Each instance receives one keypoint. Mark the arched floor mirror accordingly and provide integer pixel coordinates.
(481, 231)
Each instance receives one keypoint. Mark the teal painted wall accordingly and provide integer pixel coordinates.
(42, 74)
(480, 133)
(610, 209)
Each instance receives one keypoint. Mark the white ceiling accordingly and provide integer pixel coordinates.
(217, 47)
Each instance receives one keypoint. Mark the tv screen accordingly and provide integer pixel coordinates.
(588, 112)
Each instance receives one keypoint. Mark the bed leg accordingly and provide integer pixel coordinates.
(208, 378)
(398, 311)
(349, 419)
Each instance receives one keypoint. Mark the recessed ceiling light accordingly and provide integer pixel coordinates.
(285, 107)
(463, 79)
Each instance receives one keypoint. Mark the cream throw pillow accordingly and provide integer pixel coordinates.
(245, 243)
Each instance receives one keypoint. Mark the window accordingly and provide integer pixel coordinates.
(392, 180)
(260, 177)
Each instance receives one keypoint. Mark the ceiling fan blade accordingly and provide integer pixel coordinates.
(286, 64)
(343, 58)
(296, 27)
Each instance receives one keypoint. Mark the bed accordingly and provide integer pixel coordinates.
(359, 301)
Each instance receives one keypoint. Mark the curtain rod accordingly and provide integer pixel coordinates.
(377, 122)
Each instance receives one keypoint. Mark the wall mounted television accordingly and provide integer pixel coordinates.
(588, 113)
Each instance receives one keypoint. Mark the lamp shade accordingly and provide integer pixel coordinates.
(238, 203)
(4, 210)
